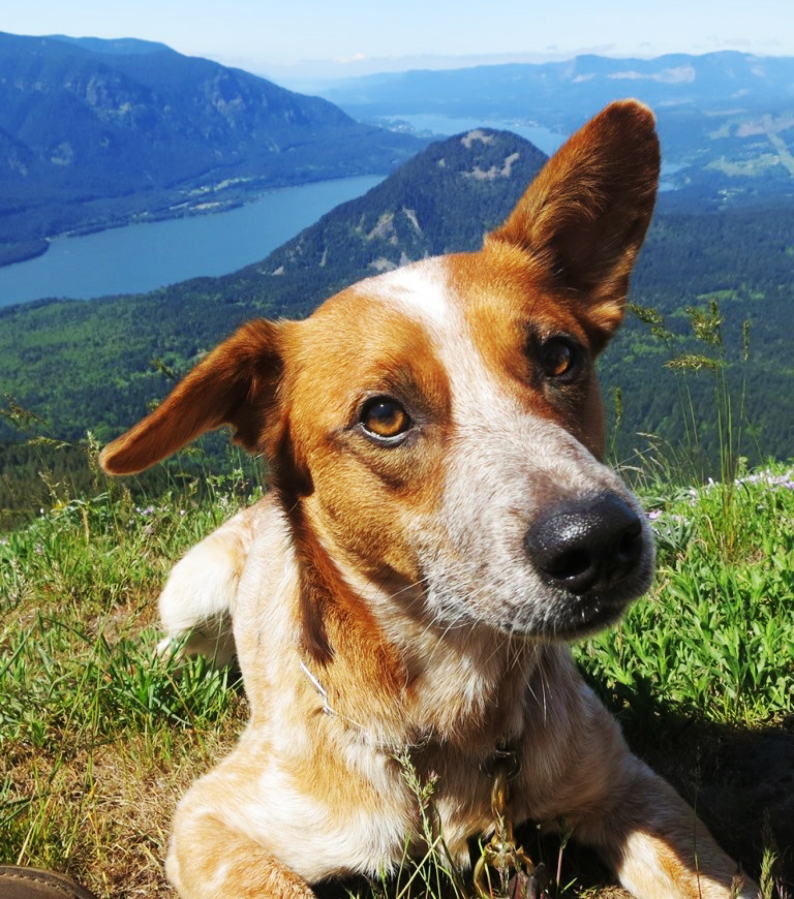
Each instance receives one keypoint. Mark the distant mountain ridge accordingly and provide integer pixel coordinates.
(559, 90)
(726, 120)
(123, 46)
(93, 132)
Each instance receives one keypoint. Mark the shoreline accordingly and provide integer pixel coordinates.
(192, 202)
(188, 241)
(24, 251)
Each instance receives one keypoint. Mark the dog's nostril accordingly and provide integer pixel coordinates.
(584, 544)
(630, 545)
(569, 564)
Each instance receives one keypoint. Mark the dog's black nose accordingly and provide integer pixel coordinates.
(583, 544)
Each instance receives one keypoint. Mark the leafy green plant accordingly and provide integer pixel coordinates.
(715, 637)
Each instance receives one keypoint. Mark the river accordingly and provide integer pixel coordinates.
(142, 257)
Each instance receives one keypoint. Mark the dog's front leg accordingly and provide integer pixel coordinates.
(210, 860)
(656, 844)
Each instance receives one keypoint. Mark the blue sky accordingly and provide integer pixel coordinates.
(357, 35)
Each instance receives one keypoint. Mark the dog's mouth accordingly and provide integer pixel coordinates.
(564, 616)
(550, 613)
(590, 623)
(580, 615)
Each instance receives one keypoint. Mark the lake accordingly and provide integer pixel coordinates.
(142, 257)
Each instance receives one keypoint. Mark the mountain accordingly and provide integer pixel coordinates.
(562, 92)
(123, 46)
(95, 132)
(441, 201)
(726, 120)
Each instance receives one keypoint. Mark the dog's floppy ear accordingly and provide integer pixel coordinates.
(236, 384)
(585, 215)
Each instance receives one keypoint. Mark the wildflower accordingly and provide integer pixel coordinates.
(767, 479)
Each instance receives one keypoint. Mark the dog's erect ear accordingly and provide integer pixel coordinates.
(585, 215)
(236, 384)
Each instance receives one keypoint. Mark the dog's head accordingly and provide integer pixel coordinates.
(441, 424)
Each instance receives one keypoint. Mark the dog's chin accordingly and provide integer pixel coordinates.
(588, 622)
(545, 613)
(566, 626)
(568, 616)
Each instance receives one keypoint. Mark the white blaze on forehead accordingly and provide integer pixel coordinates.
(422, 289)
(489, 419)
(423, 292)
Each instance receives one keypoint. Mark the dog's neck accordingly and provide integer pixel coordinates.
(443, 681)
(439, 681)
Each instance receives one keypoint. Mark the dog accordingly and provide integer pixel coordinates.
(440, 527)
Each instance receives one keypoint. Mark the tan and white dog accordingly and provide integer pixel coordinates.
(440, 524)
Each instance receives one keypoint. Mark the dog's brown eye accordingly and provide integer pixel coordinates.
(558, 357)
(385, 418)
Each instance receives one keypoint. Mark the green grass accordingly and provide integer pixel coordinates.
(716, 639)
(99, 737)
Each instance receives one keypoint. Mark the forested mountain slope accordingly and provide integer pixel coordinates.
(94, 132)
